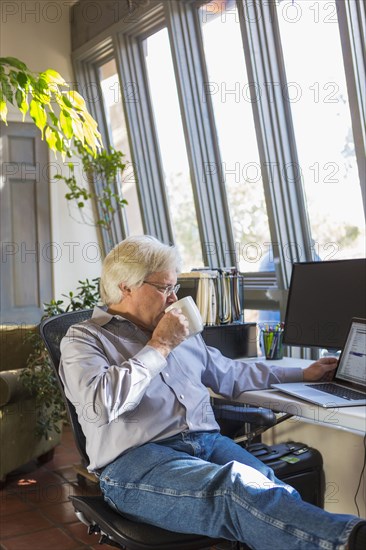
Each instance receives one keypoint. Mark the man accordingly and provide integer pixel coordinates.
(140, 388)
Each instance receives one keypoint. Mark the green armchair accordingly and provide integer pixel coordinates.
(18, 441)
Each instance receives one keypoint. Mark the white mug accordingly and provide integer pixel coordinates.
(191, 311)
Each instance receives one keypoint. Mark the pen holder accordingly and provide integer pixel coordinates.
(272, 342)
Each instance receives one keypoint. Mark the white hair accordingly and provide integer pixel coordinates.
(132, 261)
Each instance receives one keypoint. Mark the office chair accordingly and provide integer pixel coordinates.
(114, 528)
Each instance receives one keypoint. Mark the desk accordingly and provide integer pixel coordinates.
(336, 433)
(351, 419)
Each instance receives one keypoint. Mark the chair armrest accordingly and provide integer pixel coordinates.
(257, 416)
(239, 420)
(11, 387)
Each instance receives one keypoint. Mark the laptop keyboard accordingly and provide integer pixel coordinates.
(338, 391)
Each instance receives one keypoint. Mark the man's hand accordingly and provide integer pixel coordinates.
(320, 370)
(171, 330)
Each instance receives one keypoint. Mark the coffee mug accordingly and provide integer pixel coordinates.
(191, 311)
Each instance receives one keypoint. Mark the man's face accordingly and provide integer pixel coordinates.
(148, 302)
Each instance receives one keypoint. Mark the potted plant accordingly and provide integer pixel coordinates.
(59, 113)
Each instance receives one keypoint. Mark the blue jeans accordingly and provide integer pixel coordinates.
(204, 483)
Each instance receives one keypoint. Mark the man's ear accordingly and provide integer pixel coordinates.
(125, 289)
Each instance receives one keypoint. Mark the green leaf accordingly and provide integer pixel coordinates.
(38, 114)
(13, 78)
(19, 95)
(77, 101)
(90, 136)
(51, 138)
(66, 101)
(54, 119)
(3, 111)
(60, 144)
(14, 62)
(53, 76)
(23, 80)
(66, 124)
(78, 129)
(7, 90)
(41, 85)
(24, 107)
(22, 102)
(42, 92)
(90, 120)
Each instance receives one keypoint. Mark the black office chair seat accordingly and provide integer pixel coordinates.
(113, 527)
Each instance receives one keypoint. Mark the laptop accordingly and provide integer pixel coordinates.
(348, 387)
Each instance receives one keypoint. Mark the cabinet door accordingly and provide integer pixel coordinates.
(26, 248)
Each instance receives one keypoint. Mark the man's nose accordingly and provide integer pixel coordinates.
(172, 298)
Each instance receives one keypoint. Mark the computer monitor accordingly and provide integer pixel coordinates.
(323, 298)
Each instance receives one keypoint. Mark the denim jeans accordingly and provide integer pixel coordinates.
(204, 483)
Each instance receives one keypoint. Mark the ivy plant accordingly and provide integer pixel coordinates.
(59, 113)
(102, 171)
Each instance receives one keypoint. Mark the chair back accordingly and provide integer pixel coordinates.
(52, 330)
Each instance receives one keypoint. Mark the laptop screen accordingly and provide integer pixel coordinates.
(352, 363)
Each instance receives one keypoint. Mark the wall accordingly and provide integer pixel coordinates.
(38, 33)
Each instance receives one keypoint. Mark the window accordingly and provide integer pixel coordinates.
(118, 134)
(230, 92)
(163, 93)
(317, 93)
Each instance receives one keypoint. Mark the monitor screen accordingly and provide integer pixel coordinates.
(323, 298)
